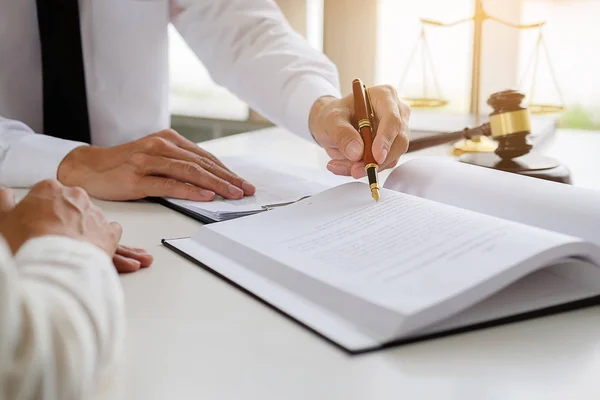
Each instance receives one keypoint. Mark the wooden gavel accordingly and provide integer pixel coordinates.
(509, 124)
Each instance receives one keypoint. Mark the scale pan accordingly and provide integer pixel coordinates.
(425, 102)
(545, 108)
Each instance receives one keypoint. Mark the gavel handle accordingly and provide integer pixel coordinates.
(426, 142)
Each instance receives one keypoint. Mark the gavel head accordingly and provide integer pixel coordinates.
(509, 124)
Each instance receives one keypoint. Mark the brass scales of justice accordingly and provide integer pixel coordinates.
(509, 124)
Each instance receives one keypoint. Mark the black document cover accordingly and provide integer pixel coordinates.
(185, 211)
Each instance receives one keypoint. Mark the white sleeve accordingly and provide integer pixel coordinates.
(26, 157)
(249, 48)
(61, 320)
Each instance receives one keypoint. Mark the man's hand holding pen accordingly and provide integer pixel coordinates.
(333, 127)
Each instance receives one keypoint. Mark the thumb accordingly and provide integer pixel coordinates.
(7, 200)
(347, 140)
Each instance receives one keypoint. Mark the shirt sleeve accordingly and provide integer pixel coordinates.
(249, 48)
(27, 157)
(61, 320)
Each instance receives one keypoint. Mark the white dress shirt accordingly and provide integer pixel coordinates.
(246, 45)
(61, 321)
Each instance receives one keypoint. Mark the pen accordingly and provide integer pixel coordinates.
(365, 116)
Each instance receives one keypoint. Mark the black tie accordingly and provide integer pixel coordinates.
(65, 101)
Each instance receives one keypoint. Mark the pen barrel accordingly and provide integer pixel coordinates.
(367, 136)
(364, 124)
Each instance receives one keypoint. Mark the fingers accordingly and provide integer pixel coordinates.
(140, 255)
(335, 131)
(347, 168)
(128, 259)
(210, 165)
(135, 249)
(340, 167)
(335, 154)
(347, 139)
(168, 154)
(389, 129)
(343, 143)
(187, 172)
(155, 186)
(391, 140)
(399, 147)
(358, 170)
(125, 265)
(188, 145)
(7, 200)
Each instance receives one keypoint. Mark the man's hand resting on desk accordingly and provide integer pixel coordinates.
(163, 164)
(331, 125)
(53, 209)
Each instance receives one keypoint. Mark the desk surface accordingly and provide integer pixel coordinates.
(192, 336)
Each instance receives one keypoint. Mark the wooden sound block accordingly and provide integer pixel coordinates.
(533, 165)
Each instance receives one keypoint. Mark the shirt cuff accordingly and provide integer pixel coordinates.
(33, 158)
(6, 257)
(61, 250)
(307, 91)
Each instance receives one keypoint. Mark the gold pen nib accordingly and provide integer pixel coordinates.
(371, 170)
(375, 193)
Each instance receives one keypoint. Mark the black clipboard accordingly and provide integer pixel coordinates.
(185, 211)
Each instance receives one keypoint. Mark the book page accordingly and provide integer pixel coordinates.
(404, 253)
(261, 283)
(559, 207)
(562, 283)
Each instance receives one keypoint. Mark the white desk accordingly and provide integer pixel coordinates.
(193, 336)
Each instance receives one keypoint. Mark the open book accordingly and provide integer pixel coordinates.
(450, 247)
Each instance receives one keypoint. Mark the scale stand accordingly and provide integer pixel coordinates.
(437, 100)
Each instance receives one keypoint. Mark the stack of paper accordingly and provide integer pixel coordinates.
(273, 189)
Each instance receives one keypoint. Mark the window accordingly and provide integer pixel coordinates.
(571, 35)
(400, 49)
(193, 92)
